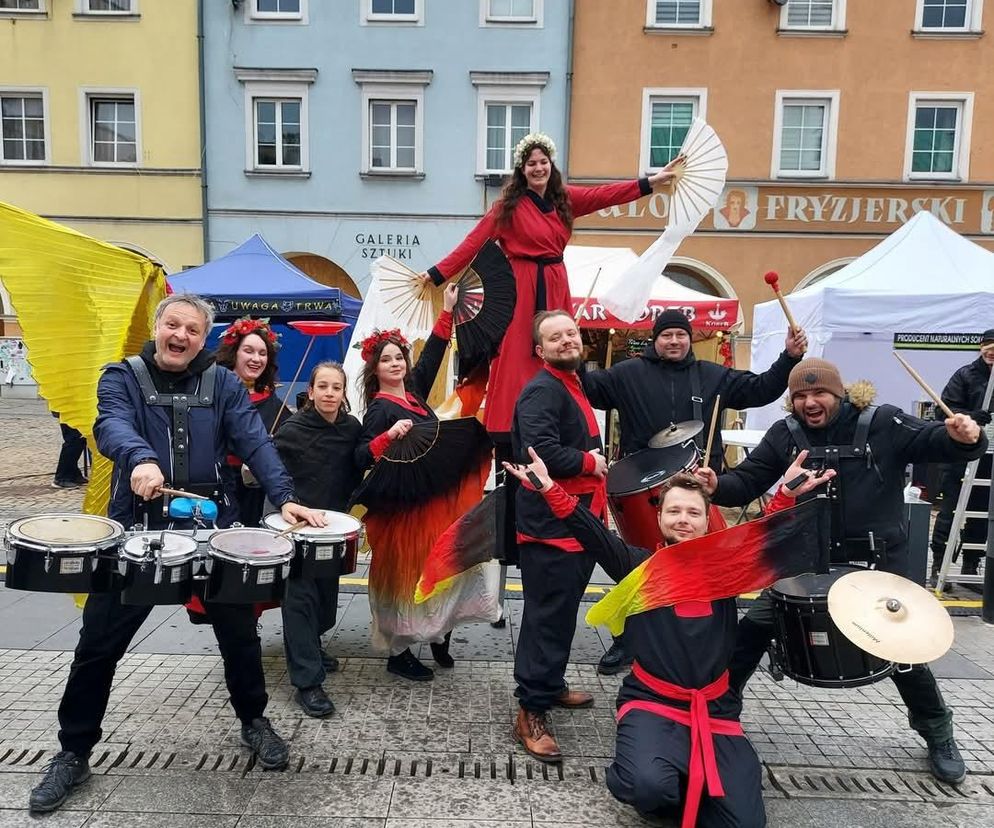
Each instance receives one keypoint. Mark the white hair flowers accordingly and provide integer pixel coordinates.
(531, 140)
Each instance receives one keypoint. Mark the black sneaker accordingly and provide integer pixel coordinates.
(64, 772)
(615, 659)
(440, 652)
(58, 483)
(315, 702)
(329, 662)
(945, 762)
(406, 665)
(269, 748)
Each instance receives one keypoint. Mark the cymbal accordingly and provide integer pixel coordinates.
(890, 617)
(676, 434)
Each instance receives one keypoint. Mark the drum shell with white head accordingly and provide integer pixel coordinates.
(322, 552)
(166, 578)
(63, 553)
(811, 648)
(247, 566)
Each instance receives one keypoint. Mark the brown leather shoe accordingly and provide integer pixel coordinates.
(574, 700)
(531, 730)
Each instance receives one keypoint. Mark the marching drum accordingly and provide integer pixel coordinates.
(810, 648)
(322, 552)
(633, 486)
(247, 566)
(63, 553)
(157, 568)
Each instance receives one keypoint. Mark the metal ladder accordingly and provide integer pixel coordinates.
(962, 513)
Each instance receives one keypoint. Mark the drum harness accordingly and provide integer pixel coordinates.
(869, 550)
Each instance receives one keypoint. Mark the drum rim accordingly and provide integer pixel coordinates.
(648, 487)
(171, 561)
(788, 597)
(315, 534)
(13, 537)
(274, 558)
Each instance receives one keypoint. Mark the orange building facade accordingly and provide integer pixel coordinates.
(841, 120)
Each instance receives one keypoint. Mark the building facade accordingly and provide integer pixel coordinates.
(841, 120)
(343, 131)
(100, 121)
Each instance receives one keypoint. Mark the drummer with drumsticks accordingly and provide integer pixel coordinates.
(667, 384)
(869, 447)
(167, 418)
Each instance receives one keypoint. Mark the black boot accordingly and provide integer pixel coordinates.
(440, 652)
(315, 702)
(615, 659)
(751, 641)
(65, 771)
(406, 665)
(945, 762)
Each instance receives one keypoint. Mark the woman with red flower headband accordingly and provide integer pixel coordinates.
(401, 538)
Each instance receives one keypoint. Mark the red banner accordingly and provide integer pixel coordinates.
(712, 315)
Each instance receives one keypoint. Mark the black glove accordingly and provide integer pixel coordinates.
(981, 417)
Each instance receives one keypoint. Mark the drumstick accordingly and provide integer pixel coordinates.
(714, 422)
(925, 386)
(180, 493)
(773, 280)
(583, 304)
(300, 524)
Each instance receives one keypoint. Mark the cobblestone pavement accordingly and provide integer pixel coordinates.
(440, 755)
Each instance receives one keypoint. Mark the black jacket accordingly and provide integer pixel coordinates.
(872, 489)
(649, 393)
(320, 457)
(548, 418)
(965, 391)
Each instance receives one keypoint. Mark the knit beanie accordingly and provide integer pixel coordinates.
(987, 336)
(670, 319)
(813, 373)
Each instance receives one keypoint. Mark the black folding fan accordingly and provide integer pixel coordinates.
(483, 311)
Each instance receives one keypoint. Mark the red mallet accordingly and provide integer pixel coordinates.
(773, 280)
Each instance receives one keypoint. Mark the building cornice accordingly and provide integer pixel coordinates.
(249, 74)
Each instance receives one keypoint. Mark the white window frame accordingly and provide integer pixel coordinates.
(650, 95)
(504, 88)
(40, 11)
(280, 84)
(86, 95)
(830, 132)
(254, 16)
(838, 23)
(536, 21)
(974, 18)
(705, 22)
(83, 8)
(961, 165)
(367, 18)
(395, 86)
(25, 92)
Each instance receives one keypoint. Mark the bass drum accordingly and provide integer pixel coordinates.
(810, 648)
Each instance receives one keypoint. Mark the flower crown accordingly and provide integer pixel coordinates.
(531, 140)
(246, 325)
(368, 345)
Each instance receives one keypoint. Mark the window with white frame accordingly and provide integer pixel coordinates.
(948, 15)
(938, 136)
(514, 11)
(276, 139)
(22, 127)
(392, 11)
(507, 110)
(813, 15)
(669, 14)
(392, 120)
(276, 10)
(108, 7)
(805, 134)
(22, 5)
(113, 129)
(507, 123)
(666, 118)
(278, 135)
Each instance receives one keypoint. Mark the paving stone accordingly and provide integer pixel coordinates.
(201, 793)
(326, 795)
(459, 799)
(60, 819)
(92, 794)
(261, 821)
(169, 820)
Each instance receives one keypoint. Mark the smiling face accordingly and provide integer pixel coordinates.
(683, 515)
(816, 408)
(537, 168)
(251, 359)
(672, 344)
(987, 352)
(560, 344)
(391, 367)
(327, 391)
(179, 336)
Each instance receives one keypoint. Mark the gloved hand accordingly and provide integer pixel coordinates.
(981, 417)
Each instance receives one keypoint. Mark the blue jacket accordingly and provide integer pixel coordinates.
(128, 432)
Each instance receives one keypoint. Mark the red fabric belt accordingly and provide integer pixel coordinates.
(580, 485)
(703, 766)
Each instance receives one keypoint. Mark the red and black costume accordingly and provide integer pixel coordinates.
(553, 417)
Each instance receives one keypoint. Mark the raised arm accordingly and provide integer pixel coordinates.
(600, 387)
(459, 259)
(585, 200)
(744, 389)
(957, 440)
(426, 368)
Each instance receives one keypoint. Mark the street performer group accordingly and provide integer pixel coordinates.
(173, 417)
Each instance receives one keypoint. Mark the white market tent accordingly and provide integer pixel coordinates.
(923, 278)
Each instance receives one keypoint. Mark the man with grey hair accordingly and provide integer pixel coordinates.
(168, 417)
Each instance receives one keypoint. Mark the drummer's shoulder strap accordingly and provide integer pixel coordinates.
(860, 445)
(695, 394)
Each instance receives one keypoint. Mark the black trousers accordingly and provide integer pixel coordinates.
(553, 582)
(73, 444)
(109, 626)
(507, 545)
(928, 713)
(649, 772)
(309, 609)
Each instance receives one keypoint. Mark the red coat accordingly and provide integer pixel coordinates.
(534, 231)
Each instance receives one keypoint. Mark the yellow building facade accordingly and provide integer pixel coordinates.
(100, 121)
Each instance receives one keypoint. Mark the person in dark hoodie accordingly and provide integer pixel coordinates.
(317, 446)
(668, 384)
(964, 393)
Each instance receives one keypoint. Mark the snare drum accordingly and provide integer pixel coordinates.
(247, 566)
(63, 553)
(633, 486)
(810, 648)
(322, 552)
(157, 568)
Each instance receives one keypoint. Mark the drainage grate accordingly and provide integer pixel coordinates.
(906, 786)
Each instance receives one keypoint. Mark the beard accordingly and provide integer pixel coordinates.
(565, 363)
